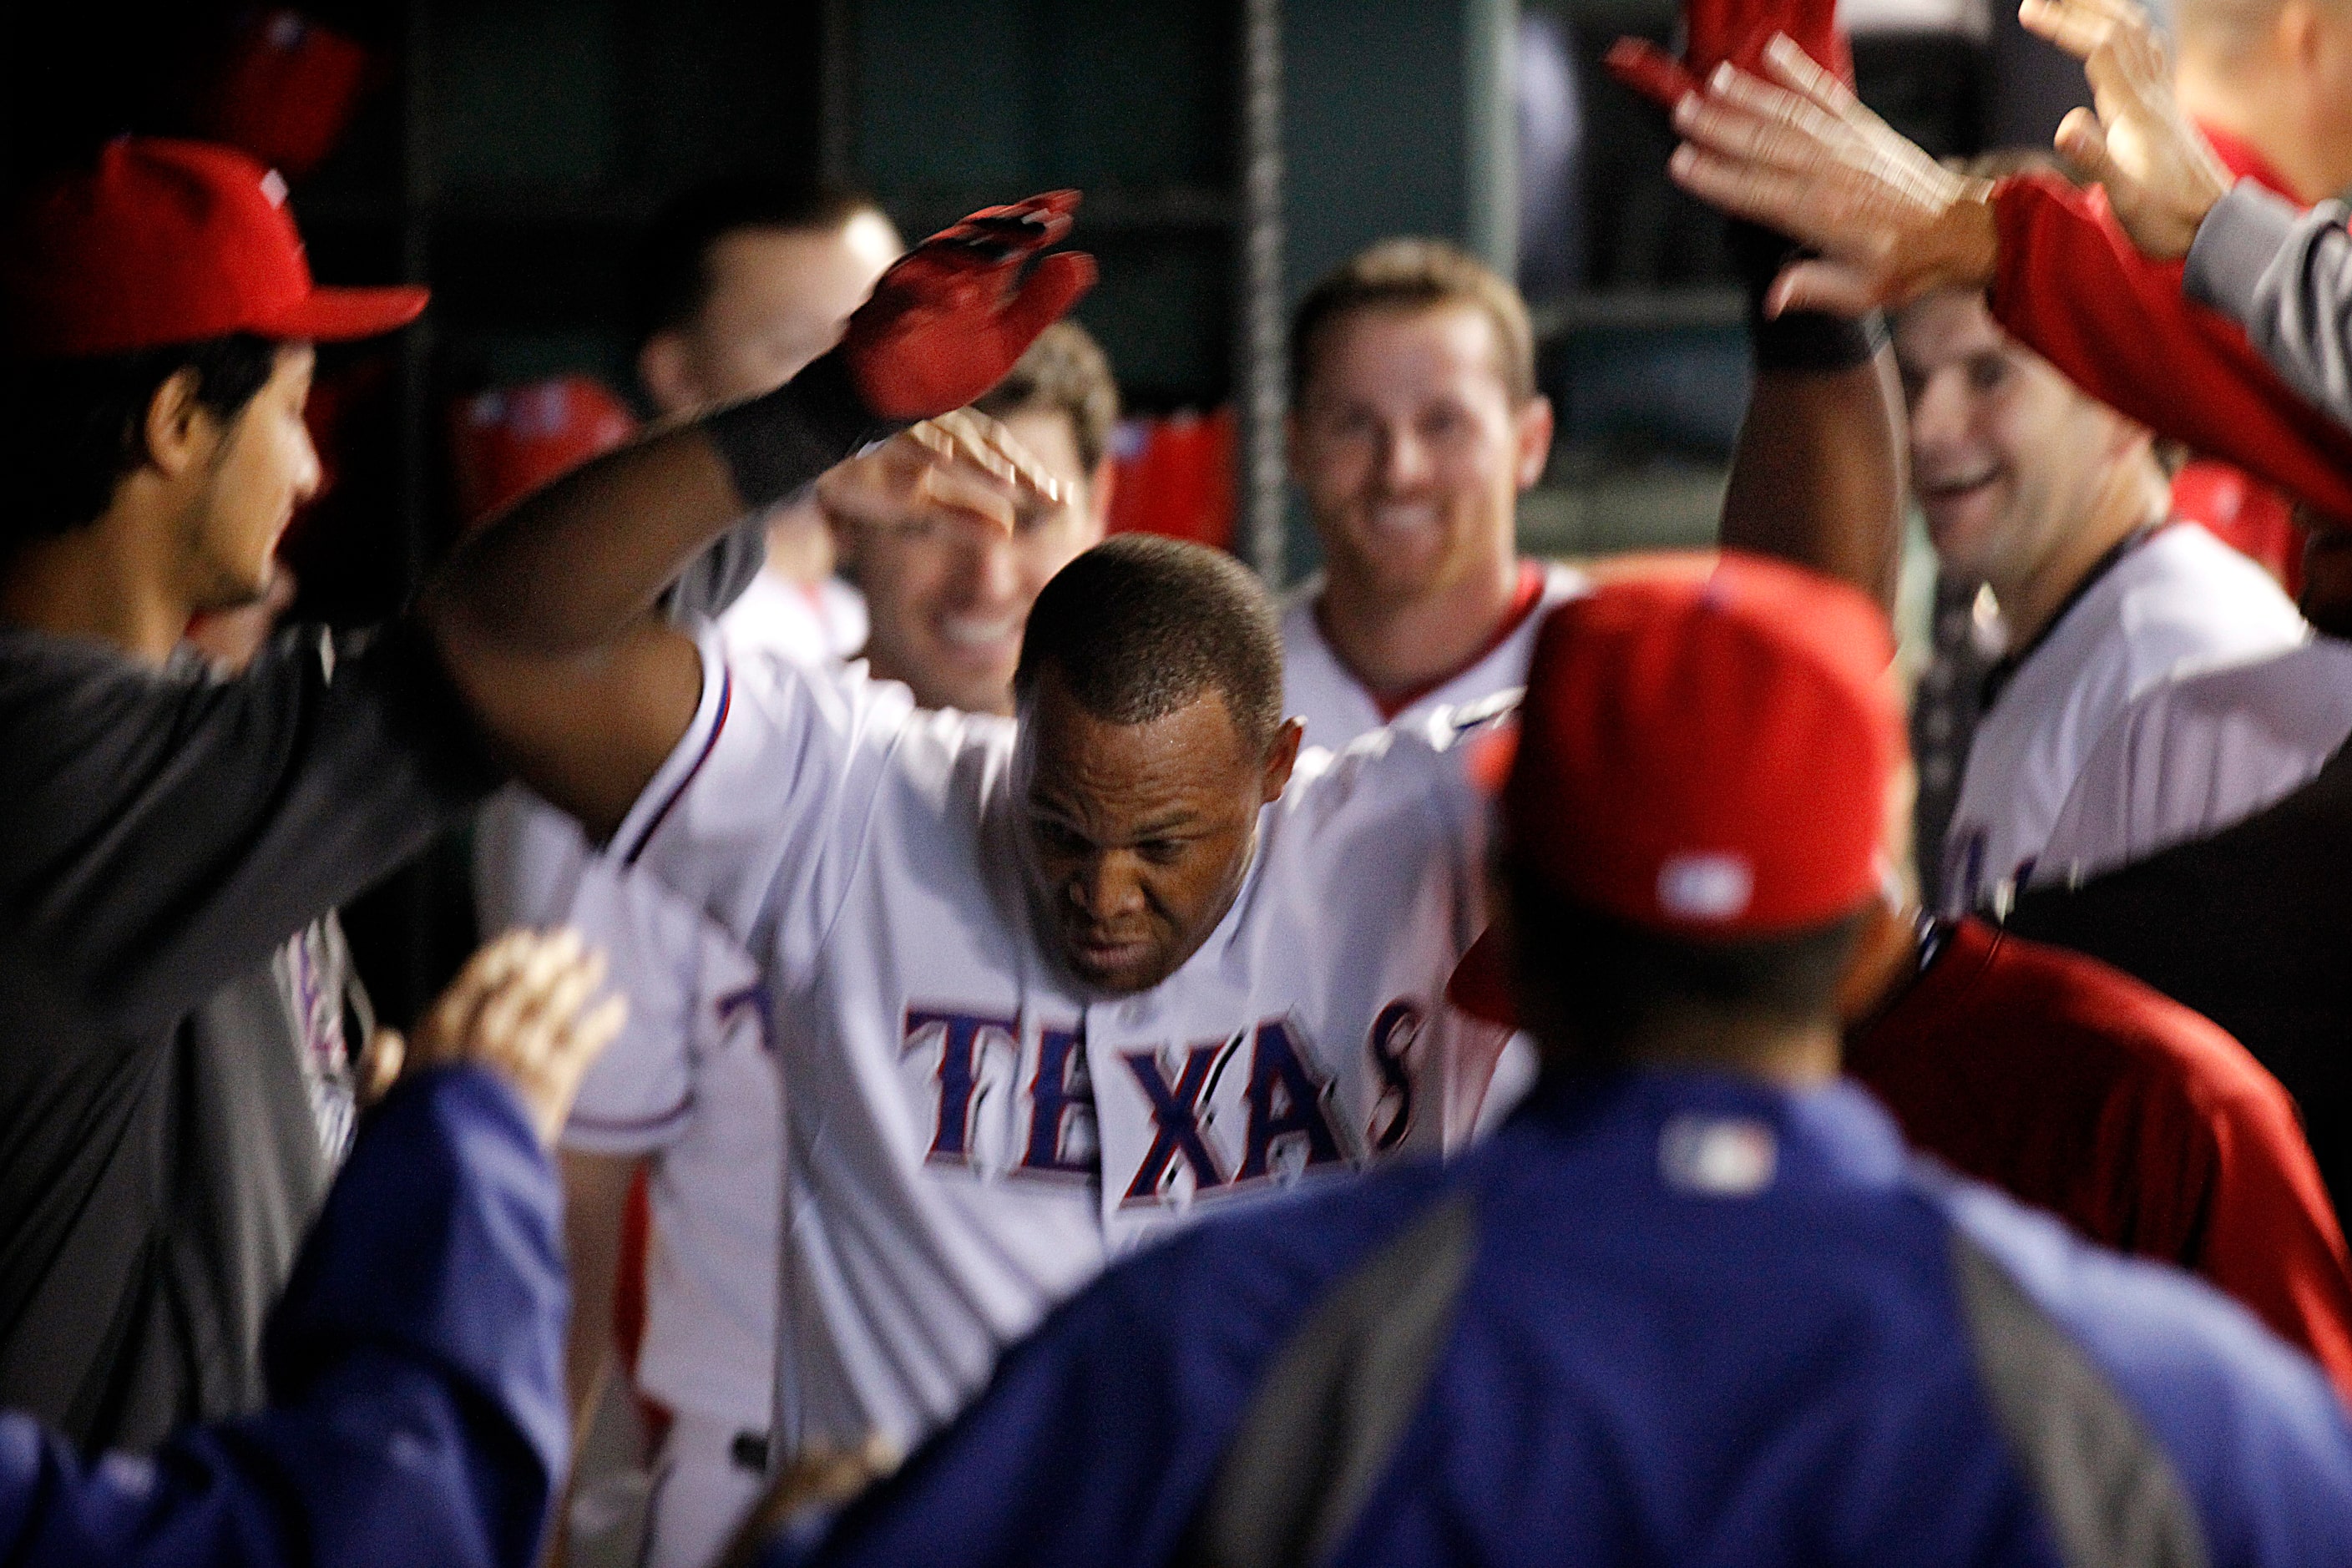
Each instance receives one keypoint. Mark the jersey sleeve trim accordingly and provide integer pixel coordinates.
(709, 744)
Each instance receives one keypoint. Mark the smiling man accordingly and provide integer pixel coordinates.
(2057, 502)
(1415, 425)
(945, 602)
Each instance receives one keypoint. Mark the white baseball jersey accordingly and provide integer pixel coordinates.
(2178, 600)
(971, 1132)
(1318, 688)
(2201, 752)
(689, 1082)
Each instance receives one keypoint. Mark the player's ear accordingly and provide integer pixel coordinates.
(664, 370)
(1531, 427)
(1281, 756)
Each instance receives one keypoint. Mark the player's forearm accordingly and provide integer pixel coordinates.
(1817, 475)
(2285, 276)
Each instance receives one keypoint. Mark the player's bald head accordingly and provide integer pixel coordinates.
(1141, 627)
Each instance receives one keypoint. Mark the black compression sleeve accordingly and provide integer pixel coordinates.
(776, 445)
(1795, 340)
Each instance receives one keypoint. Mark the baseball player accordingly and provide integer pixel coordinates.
(1416, 425)
(1036, 989)
(688, 1093)
(176, 842)
(415, 1408)
(1694, 1302)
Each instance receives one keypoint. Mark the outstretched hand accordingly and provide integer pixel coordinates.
(516, 1009)
(1802, 154)
(2161, 175)
(947, 322)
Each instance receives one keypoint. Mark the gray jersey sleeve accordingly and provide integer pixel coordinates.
(2285, 276)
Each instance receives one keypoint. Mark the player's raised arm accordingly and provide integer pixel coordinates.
(1798, 151)
(1817, 475)
(545, 617)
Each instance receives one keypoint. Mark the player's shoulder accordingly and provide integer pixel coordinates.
(2251, 1429)
(2184, 596)
(2154, 1044)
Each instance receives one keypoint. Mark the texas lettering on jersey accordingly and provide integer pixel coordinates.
(1228, 1115)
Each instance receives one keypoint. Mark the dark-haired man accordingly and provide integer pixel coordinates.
(1083, 975)
(176, 1088)
(1695, 1302)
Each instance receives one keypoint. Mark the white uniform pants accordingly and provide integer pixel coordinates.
(701, 1491)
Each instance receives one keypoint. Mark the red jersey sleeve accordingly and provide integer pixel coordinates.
(2070, 286)
(2271, 1238)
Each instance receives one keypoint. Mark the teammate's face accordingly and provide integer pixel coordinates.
(261, 467)
(779, 298)
(2008, 457)
(1140, 834)
(1410, 450)
(948, 599)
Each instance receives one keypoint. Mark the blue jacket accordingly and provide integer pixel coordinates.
(416, 1374)
(1671, 1318)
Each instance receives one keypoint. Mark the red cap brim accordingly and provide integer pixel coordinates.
(1481, 985)
(338, 315)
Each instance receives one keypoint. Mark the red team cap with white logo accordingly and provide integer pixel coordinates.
(1704, 750)
(162, 242)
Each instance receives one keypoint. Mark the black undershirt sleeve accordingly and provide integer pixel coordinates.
(164, 833)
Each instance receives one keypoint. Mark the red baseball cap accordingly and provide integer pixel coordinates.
(1703, 750)
(506, 443)
(164, 242)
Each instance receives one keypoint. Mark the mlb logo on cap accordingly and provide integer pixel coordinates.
(1703, 750)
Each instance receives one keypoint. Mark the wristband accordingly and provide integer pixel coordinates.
(777, 444)
(1795, 340)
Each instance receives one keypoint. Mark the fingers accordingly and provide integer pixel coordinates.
(1802, 74)
(1052, 285)
(1650, 71)
(968, 435)
(1756, 123)
(506, 1018)
(381, 1064)
(451, 1019)
(2077, 26)
(2082, 141)
(1832, 288)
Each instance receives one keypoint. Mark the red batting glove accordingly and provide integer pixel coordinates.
(947, 322)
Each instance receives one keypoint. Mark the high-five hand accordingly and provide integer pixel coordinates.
(1805, 157)
(517, 1009)
(2161, 177)
(948, 320)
